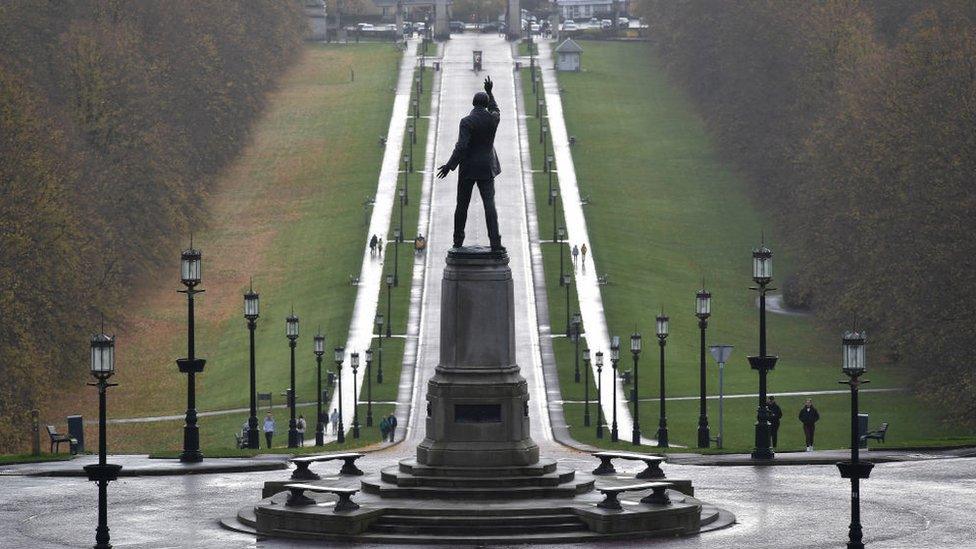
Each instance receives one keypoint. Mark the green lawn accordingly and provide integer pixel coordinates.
(13, 459)
(290, 213)
(665, 211)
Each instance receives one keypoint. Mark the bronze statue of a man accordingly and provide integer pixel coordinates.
(475, 154)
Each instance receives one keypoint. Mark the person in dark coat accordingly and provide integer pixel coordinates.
(775, 415)
(475, 154)
(391, 424)
(809, 417)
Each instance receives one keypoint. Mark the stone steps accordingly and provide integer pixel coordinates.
(571, 489)
(393, 475)
(509, 519)
(411, 467)
(479, 530)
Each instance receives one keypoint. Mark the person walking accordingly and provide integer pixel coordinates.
(379, 247)
(334, 419)
(575, 254)
(775, 414)
(809, 417)
(384, 427)
(391, 423)
(269, 428)
(583, 251)
(372, 245)
(300, 426)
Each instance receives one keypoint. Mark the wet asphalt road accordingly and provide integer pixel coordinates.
(923, 504)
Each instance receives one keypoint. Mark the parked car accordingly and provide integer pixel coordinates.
(534, 27)
(623, 22)
(365, 27)
(489, 27)
(420, 26)
(606, 24)
(457, 26)
(570, 26)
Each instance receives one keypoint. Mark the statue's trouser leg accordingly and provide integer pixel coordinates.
(487, 190)
(465, 186)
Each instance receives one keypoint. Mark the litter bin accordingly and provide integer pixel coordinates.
(76, 430)
(862, 429)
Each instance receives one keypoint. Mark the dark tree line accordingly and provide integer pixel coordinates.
(115, 118)
(856, 124)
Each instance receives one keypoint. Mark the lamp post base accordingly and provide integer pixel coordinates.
(253, 438)
(704, 438)
(635, 437)
(191, 444)
(614, 434)
(293, 437)
(662, 437)
(319, 434)
(762, 453)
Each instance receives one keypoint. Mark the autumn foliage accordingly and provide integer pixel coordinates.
(856, 123)
(115, 118)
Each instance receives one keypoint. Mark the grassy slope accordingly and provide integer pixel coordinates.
(289, 213)
(665, 212)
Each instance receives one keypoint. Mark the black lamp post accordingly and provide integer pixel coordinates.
(548, 166)
(191, 365)
(397, 237)
(574, 335)
(854, 366)
(416, 109)
(389, 292)
(339, 354)
(369, 387)
(567, 282)
(662, 336)
(549, 196)
(251, 310)
(102, 368)
(762, 275)
(403, 200)
(586, 387)
(614, 359)
(379, 354)
(319, 340)
(410, 129)
(545, 142)
(703, 309)
(561, 236)
(354, 362)
(635, 349)
(291, 332)
(599, 394)
(553, 196)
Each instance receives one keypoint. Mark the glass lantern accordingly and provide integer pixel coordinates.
(319, 340)
(762, 265)
(190, 266)
(854, 359)
(251, 305)
(635, 343)
(703, 304)
(339, 354)
(615, 348)
(102, 355)
(662, 326)
(291, 326)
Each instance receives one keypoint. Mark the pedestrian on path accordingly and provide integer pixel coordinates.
(300, 426)
(809, 417)
(583, 251)
(575, 254)
(269, 428)
(379, 247)
(384, 428)
(775, 414)
(372, 245)
(334, 418)
(391, 423)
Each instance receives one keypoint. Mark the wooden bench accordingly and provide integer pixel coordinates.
(57, 439)
(302, 464)
(353, 280)
(653, 463)
(603, 279)
(658, 496)
(877, 434)
(297, 497)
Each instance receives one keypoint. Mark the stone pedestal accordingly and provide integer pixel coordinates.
(477, 402)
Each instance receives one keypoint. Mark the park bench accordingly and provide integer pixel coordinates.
(302, 464)
(57, 439)
(297, 497)
(659, 494)
(652, 469)
(877, 434)
(627, 376)
(353, 280)
(603, 279)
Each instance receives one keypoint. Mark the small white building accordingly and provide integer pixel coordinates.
(583, 9)
(568, 56)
